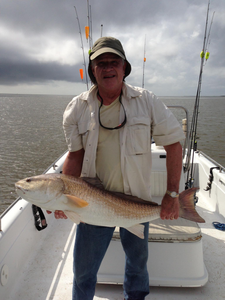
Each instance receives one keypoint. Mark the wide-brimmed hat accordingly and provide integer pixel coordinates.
(107, 45)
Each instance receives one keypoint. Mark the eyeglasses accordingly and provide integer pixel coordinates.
(120, 125)
(115, 63)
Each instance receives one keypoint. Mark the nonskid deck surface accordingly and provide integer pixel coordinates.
(48, 274)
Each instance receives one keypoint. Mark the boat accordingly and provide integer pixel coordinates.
(186, 260)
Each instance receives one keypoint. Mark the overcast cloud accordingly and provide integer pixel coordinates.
(40, 46)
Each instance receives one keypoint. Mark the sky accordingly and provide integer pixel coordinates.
(40, 44)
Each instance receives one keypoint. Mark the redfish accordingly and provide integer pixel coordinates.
(85, 200)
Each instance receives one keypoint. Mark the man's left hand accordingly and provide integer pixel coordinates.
(169, 208)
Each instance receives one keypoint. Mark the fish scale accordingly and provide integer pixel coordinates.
(114, 206)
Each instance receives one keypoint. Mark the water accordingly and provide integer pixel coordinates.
(211, 123)
(32, 136)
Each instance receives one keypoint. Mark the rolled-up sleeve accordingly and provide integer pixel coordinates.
(70, 126)
(166, 129)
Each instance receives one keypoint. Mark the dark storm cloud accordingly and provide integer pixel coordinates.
(14, 73)
(174, 29)
(43, 16)
(17, 67)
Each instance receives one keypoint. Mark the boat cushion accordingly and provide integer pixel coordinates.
(170, 231)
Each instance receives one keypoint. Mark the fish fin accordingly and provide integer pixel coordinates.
(72, 216)
(187, 206)
(94, 181)
(76, 201)
(137, 230)
(133, 198)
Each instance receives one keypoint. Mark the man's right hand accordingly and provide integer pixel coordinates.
(72, 166)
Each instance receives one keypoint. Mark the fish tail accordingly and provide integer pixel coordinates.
(187, 206)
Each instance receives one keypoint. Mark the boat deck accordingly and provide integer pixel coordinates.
(48, 273)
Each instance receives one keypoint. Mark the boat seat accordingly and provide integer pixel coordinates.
(170, 231)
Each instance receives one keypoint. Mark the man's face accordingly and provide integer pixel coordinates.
(109, 70)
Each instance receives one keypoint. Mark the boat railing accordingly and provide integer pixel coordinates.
(7, 210)
(220, 167)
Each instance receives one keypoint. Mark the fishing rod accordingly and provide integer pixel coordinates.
(90, 35)
(82, 46)
(208, 40)
(193, 131)
(101, 30)
(144, 60)
(89, 26)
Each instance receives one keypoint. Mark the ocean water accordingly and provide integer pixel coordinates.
(32, 136)
(211, 123)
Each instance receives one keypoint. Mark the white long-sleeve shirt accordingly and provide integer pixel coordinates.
(147, 117)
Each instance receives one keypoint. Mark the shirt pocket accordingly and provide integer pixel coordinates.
(138, 136)
(83, 129)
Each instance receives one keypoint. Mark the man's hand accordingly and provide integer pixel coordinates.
(72, 166)
(170, 208)
(59, 214)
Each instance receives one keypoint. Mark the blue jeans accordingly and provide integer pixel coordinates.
(90, 247)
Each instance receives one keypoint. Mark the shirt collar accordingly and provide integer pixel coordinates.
(130, 91)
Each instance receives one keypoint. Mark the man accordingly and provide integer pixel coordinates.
(108, 131)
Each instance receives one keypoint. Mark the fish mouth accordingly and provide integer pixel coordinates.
(19, 188)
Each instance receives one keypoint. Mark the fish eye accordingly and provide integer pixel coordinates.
(28, 180)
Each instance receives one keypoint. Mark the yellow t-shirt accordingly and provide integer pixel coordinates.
(108, 165)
